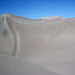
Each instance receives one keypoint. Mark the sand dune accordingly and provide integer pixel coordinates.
(52, 19)
(46, 43)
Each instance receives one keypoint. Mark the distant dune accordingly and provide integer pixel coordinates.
(53, 18)
(48, 41)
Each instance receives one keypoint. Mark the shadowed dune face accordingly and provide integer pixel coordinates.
(49, 44)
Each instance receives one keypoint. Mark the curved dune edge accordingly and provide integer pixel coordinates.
(16, 39)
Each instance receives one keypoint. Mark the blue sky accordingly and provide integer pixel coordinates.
(38, 8)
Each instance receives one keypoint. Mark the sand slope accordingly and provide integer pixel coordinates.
(49, 44)
(14, 66)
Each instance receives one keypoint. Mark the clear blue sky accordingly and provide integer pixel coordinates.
(38, 8)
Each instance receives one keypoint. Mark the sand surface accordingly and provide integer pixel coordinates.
(48, 43)
(10, 65)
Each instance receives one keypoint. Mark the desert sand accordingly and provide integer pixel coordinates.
(48, 42)
(9, 65)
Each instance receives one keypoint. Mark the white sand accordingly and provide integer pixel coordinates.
(10, 65)
(46, 43)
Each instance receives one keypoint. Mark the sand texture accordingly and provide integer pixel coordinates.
(48, 42)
